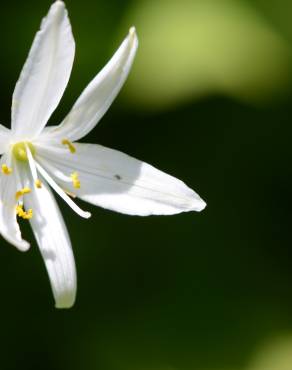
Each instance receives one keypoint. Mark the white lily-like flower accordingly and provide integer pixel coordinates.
(36, 158)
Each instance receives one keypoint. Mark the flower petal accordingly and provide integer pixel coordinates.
(45, 74)
(54, 243)
(5, 135)
(113, 180)
(9, 227)
(99, 94)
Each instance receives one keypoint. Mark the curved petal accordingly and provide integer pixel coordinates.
(99, 94)
(9, 227)
(45, 74)
(54, 243)
(113, 180)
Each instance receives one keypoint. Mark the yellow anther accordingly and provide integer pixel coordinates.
(26, 215)
(21, 192)
(6, 170)
(19, 151)
(75, 179)
(38, 183)
(71, 147)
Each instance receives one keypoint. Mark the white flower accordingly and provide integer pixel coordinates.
(35, 157)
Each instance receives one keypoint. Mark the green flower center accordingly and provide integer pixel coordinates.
(19, 151)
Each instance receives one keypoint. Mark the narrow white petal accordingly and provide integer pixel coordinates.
(9, 227)
(99, 94)
(45, 74)
(54, 244)
(114, 180)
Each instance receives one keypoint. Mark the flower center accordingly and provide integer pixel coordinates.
(19, 150)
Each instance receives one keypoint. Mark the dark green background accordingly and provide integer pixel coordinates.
(189, 292)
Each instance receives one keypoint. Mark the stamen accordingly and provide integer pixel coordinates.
(22, 192)
(26, 215)
(6, 170)
(71, 147)
(38, 183)
(61, 192)
(75, 179)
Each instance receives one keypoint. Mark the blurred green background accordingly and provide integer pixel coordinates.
(208, 101)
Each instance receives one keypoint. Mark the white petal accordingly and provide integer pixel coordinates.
(99, 94)
(9, 227)
(54, 243)
(45, 74)
(5, 135)
(114, 180)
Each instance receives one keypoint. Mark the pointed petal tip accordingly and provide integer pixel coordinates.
(200, 206)
(87, 215)
(193, 201)
(132, 31)
(133, 34)
(197, 203)
(57, 6)
(194, 204)
(59, 3)
(65, 302)
(21, 245)
(24, 247)
(65, 298)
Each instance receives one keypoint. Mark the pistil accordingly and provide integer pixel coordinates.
(19, 150)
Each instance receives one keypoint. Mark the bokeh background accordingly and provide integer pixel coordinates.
(209, 101)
